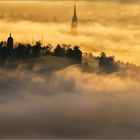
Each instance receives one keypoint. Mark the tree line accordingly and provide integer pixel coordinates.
(25, 51)
(22, 51)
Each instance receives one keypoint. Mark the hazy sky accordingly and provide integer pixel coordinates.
(104, 25)
(43, 97)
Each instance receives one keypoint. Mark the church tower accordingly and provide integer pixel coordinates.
(74, 18)
(10, 42)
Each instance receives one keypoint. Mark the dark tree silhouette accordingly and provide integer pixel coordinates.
(107, 64)
(22, 51)
(59, 51)
(36, 49)
(1, 44)
(77, 53)
(74, 53)
(47, 50)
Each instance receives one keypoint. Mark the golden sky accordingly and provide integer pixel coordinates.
(48, 97)
(112, 26)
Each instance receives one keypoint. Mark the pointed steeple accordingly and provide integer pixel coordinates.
(74, 18)
(75, 15)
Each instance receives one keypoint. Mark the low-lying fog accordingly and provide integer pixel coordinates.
(59, 100)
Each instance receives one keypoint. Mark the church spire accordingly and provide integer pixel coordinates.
(74, 18)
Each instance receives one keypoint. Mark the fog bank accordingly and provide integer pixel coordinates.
(66, 102)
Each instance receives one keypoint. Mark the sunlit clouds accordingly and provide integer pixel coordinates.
(52, 102)
(110, 26)
(50, 96)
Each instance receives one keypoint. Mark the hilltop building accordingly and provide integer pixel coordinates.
(10, 42)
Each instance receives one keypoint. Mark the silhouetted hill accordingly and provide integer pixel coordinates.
(41, 64)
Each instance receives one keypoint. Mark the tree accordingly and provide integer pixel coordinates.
(107, 64)
(36, 49)
(59, 51)
(74, 53)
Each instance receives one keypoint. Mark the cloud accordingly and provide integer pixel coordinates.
(48, 98)
(61, 101)
(129, 1)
